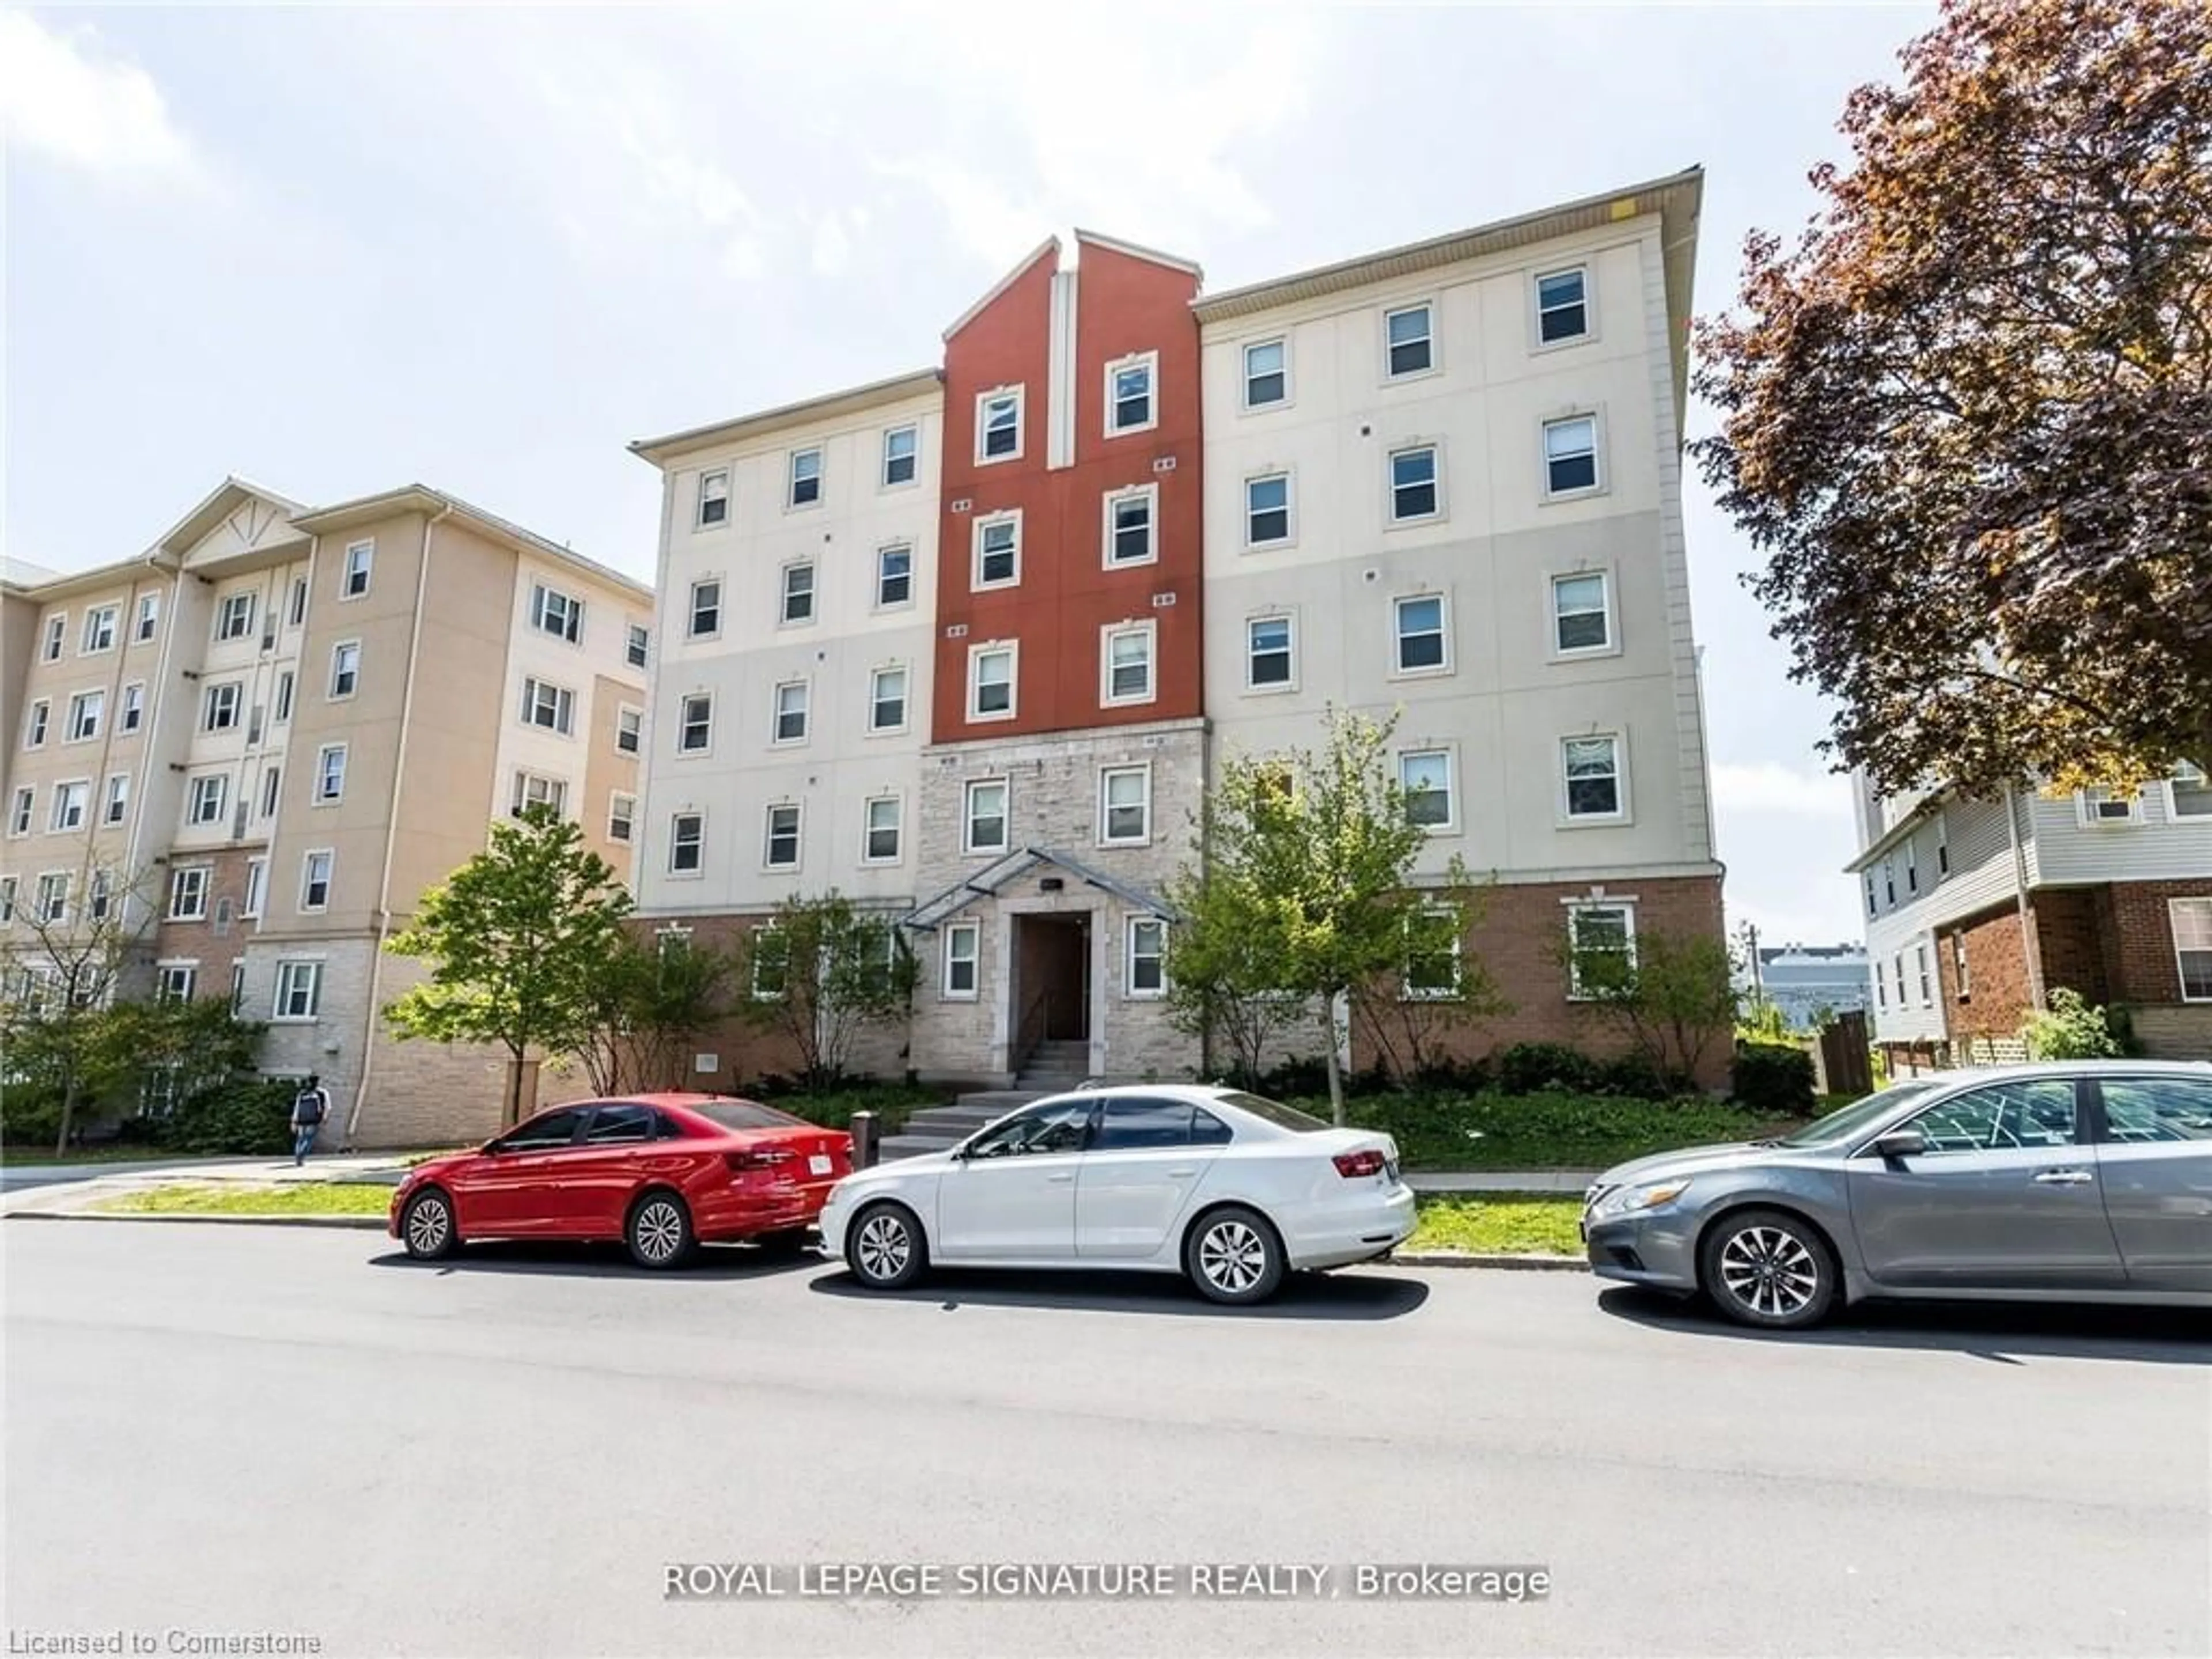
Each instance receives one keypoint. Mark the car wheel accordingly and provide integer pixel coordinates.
(659, 1230)
(885, 1248)
(1768, 1268)
(785, 1240)
(1234, 1256)
(427, 1227)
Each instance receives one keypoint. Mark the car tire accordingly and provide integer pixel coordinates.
(885, 1248)
(1768, 1269)
(1234, 1256)
(785, 1240)
(426, 1226)
(658, 1230)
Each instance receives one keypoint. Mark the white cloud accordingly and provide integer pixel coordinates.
(833, 248)
(1767, 786)
(59, 97)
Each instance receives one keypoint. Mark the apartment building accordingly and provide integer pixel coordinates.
(269, 733)
(1977, 910)
(1150, 526)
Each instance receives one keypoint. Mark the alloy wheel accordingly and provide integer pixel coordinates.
(428, 1224)
(1770, 1271)
(1232, 1256)
(883, 1247)
(660, 1231)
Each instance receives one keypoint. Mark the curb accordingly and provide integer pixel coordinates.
(357, 1221)
(1555, 1264)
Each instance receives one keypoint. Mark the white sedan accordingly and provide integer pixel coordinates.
(1230, 1189)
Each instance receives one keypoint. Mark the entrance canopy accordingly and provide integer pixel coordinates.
(987, 881)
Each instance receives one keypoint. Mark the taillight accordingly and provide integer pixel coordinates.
(746, 1163)
(1352, 1165)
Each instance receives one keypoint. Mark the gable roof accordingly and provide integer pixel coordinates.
(420, 498)
(989, 880)
(1050, 245)
(850, 401)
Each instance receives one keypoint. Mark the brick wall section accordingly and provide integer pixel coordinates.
(214, 942)
(1997, 976)
(2142, 935)
(2070, 940)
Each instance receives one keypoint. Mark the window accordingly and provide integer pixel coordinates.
(237, 987)
(2100, 806)
(964, 942)
(134, 705)
(887, 700)
(687, 843)
(1267, 373)
(879, 841)
(54, 897)
(175, 981)
(2155, 1109)
(991, 683)
(806, 478)
(101, 895)
(1571, 455)
(205, 805)
(1266, 509)
(1420, 634)
(1129, 403)
(2025, 1113)
(554, 612)
(1268, 659)
(117, 806)
(56, 636)
(299, 990)
(296, 613)
(998, 425)
(902, 444)
(998, 550)
(550, 707)
(706, 609)
(271, 781)
(1601, 941)
(780, 850)
(1911, 866)
(614, 1126)
(34, 729)
(284, 697)
(1881, 988)
(71, 800)
(622, 817)
(2191, 920)
(359, 558)
(791, 701)
(1414, 485)
(188, 893)
(1942, 847)
(257, 887)
(637, 644)
(1129, 665)
(629, 729)
(85, 711)
(713, 498)
(1125, 805)
(531, 789)
(1426, 775)
(19, 815)
(1871, 907)
(694, 728)
(234, 616)
(984, 817)
(1148, 944)
(99, 627)
(1432, 956)
(315, 872)
(2188, 794)
(799, 592)
(894, 575)
(1582, 618)
(219, 708)
(1927, 984)
(1593, 777)
(1889, 883)
(1960, 974)
(1562, 306)
(149, 616)
(345, 668)
(8, 890)
(1407, 333)
(1130, 525)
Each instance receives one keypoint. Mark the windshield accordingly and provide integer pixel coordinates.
(748, 1115)
(1852, 1119)
(1274, 1112)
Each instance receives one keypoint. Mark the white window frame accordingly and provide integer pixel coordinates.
(325, 796)
(2176, 909)
(100, 895)
(1149, 632)
(175, 982)
(296, 605)
(564, 706)
(686, 749)
(2086, 802)
(88, 712)
(66, 792)
(1011, 650)
(1927, 978)
(131, 713)
(968, 845)
(913, 457)
(93, 616)
(785, 594)
(57, 637)
(295, 973)
(256, 898)
(194, 793)
(338, 648)
(692, 628)
(223, 633)
(23, 811)
(869, 856)
(712, 489)
(798, 861)
(148, 622)
(1577, 492)
(212, 701)
(630, 722)
(1409, 992)
(977, 582)
(1620, 814)
(1150, 362)
(1109, 503)
(1537, 309)
(1288, 622)
(192, 883)
(357, 574)
(114, 802)
(1143, 773)
(1394, 520)
(1397, 637)
(51, 906)
(1942, 849)
(1392, 376)
(543, 600)
(11, 888)
(38, 722)
(819, 479)
(1019, 397)
(1610, 645)
(637, 644)
(1450, 824)
(805, 686)
(2187, 774)
(882, 575)
(283, 714)
(1289, 509)
(330, 867)
(972, 933)
(1578, 907)
(1244, 374)
(1131, 955)
(676, 844)
(538, 789)
(271, 783)
(622, 810)
(876, 727)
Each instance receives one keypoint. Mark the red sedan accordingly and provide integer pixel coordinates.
(662, 1173)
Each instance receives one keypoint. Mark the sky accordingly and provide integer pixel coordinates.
(335, 249)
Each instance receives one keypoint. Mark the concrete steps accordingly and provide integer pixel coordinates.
(936, 1128)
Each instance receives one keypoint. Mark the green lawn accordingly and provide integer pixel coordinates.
(1498, 1224)
(299, 1198)
(29, 1156)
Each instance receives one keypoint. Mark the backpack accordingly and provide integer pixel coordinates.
(308, 1106)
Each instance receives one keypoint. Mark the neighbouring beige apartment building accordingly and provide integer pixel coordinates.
(276, 727)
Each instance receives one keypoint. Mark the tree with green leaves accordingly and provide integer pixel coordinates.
(513, 938)
(1966, 415)
(1440, 988)
(1304, 875)
(645, 1000)
(819, 973)
(1672, 994)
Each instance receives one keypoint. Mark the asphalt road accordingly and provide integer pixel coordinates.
(238, 1430)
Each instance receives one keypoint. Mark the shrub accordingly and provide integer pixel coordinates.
(833, 1108)
(246, 1118)
(1528, 1068)
(1636, 1077)
(1545, 1131)
(1773, 1076)
(30, 1116)
(1463, 1077)
(2070, 1029)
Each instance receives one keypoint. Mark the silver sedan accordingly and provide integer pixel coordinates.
(2084, 1182)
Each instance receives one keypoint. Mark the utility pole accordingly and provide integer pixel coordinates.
(1750, 956)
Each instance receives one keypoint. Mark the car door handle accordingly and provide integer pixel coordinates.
(1057, 1179)
(2064, 1178)
(1180, 1175)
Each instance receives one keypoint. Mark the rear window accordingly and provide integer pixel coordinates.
(1274, 1112)
(749, 1114)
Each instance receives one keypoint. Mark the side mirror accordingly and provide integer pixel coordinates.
(492, 1147)
(1899, 1143)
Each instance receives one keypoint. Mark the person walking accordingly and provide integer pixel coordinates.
(309, 1108)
